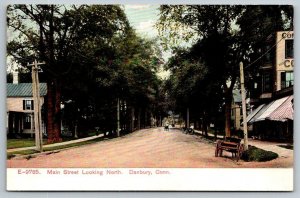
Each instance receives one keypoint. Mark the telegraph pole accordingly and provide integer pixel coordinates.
(37, 106)
(244, 106)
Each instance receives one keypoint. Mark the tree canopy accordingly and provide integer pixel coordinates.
(218, 36)
(92, 57)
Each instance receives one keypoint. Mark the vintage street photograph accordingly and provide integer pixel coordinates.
(149, 86)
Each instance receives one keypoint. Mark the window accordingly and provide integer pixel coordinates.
(27, 121)
(287, 79)
(266, 82)
(289, 48)
(27, 104)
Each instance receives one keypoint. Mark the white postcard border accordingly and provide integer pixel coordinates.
(140, 179)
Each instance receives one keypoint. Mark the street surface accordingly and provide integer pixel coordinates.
(151, 148)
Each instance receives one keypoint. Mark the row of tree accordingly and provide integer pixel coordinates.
(205, 70)
(95, 66)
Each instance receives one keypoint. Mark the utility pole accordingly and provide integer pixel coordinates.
(244, 106)
(37, 106)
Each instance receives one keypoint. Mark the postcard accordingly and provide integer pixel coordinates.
(150, 97)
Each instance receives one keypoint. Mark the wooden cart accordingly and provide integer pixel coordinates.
(232, 145)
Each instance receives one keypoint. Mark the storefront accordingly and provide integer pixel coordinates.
(273, 120)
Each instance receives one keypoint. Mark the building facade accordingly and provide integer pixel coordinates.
(272, 90)
(284, 65)
(20, 108)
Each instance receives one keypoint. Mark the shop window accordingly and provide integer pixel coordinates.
(289, 48)
(287, 79)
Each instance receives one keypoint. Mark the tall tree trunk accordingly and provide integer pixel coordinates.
(139, 119)
(54, 92)
(187, 118)
(57, 120)
(205, 124)
(228, 101)
(132, 119)
(50, 112)
(146, 118)
(118, 117)
(160, 121)
(53, 112)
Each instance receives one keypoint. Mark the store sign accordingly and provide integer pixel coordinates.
(288, 63)
(287, 35)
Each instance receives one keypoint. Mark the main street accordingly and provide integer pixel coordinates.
(150, 148)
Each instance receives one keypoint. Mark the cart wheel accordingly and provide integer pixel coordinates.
(240, 152)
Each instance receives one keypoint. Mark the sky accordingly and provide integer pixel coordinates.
(142, 18)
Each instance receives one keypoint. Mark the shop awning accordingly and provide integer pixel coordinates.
(260, 112)
(270, 108)
(254, 112)
(284, 112)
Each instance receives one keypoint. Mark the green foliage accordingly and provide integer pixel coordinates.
(258, 155)
(220, 36)
(18, 143)
(257, 31)
(53, 148)
(93, 53)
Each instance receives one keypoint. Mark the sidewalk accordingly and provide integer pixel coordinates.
(265, 145)
(57, 144)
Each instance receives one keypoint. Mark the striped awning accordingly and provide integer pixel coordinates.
(260, 112)
(254, 112)
(271, 108)
(284, 112)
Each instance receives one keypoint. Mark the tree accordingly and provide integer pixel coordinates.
(212, 25)
(193, 87)
(224, 35)
(55, 34)
(258, 26)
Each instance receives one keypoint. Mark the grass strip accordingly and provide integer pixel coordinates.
(47, 149)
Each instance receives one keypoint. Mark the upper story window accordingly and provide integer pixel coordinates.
(27, 104)
(287, 79)
(289, 48)
(266, 82)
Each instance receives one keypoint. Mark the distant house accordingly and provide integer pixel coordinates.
(20, 117)
(236, 110)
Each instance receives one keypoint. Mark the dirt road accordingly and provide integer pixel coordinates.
(148, 148)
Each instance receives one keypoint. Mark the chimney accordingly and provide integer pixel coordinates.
(15, 77)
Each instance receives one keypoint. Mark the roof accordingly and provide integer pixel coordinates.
(284, 112)
(24, 89)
